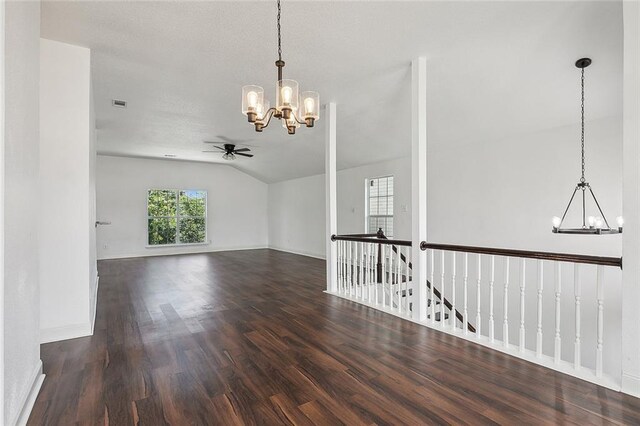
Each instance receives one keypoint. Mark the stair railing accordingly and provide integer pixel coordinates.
(434, 293)
(525, 336)
(370, 271)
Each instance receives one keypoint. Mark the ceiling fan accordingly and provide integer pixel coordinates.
(230, 151)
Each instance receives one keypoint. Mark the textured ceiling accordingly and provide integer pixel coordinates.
(495, 69)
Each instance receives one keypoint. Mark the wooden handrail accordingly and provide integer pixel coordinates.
(560, 257)
(437, 293)
(370, 240)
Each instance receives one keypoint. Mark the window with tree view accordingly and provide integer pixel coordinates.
(176, 216)
(380, 205)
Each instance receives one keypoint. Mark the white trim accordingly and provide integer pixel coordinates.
(29, 398)
(94, 300)
(175, 245)
(530, 356)
(631, 385)
(169, 247)
(66, 332)
(299, 253)
(3, 101)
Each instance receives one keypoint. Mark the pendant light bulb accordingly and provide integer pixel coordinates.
(252, 99)
(309, 105)
(599, 223)
(286, 95)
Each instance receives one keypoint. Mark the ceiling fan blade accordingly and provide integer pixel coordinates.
(244, 155)
(242, 150)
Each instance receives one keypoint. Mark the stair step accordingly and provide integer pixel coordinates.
(446, 316)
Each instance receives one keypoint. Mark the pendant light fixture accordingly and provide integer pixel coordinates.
(591, 225)
(291, 108)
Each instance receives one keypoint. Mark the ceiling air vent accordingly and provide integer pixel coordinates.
(119, 103)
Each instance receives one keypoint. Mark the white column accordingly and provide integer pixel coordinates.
(331, 213)
(631, 202)
(419, 184)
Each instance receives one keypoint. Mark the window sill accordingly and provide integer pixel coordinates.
(177, 245)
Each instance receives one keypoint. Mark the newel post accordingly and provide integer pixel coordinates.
(631, 202)
(419, 185)
(331, 200)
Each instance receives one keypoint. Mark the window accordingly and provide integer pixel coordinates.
(176, 216)
(380, 205)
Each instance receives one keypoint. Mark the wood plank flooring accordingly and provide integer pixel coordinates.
(248, 337)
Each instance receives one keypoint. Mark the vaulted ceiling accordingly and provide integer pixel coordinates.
(495, 69)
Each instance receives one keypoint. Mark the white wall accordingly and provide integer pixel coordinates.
(21, 366)
(297, 216)
(352, 196)
(503, 193)
(237, 205)
(297, 210)
(67, 249)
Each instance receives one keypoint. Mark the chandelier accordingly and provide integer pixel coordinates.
(291, 108)
(591, 225)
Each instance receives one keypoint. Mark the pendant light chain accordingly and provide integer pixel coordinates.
(591, 225)
(582, 123)
(279, 37)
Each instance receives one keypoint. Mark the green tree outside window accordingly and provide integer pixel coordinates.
(176, 216)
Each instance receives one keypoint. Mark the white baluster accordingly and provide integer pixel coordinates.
(478, 298)
(384, 275)
(442, 321)
(465, 312)
(408, 255)
(376, 249)
(351, 285)
(577, 292)
(355, 269)
(491, 281)
(399, 277)
(342, 273)
(368, 274)
(557, 341)
(600, 339)
(505, 305)
(431, 292)
(539, 322)
(523, 277)
(362, 259)
(452, 313)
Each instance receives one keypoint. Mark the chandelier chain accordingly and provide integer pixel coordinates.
(279, 37)
(582, 124)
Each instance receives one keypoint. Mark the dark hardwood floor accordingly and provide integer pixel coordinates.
(248, 337)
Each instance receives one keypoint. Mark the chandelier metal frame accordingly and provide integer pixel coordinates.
(590, 225)
(257, 110)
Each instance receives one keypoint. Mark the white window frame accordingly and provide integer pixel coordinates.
(367, 184)
(178, 217)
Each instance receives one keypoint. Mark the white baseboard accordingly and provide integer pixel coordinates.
(301, 253)
(94, 301)
(631, 385)
(170, 252)
(65, 332)
(29, 397)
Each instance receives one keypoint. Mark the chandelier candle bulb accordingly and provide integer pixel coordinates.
(620, 221)
(556, 221)
(257, 110)
(310, 106)
(252, 97)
